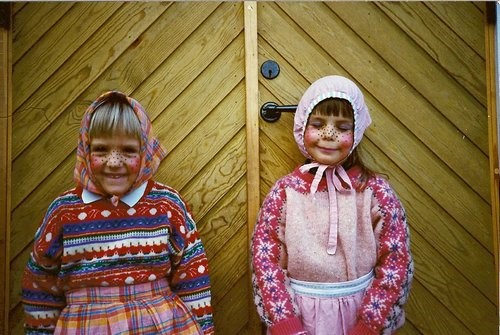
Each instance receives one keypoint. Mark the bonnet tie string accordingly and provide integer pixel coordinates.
(336, 178)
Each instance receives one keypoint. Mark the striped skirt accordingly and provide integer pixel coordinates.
(149, 308)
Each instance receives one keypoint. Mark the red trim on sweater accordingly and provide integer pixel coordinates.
(287, 327)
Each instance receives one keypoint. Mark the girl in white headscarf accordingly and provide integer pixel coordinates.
(330, 250)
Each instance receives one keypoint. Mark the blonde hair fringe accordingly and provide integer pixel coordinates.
(114, 118)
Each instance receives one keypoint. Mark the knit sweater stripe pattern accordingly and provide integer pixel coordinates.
(97, 244)
(381, 311)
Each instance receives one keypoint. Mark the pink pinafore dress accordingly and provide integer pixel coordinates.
(329, 288)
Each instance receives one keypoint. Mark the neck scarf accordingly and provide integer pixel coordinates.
(151, 150)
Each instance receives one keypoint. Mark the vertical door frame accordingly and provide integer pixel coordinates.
(492, 51)
(252, 139)
(5, 157)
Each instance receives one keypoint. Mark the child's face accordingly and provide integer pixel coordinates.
(328, 139)
(115, 162)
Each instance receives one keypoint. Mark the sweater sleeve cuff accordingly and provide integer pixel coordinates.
(287, 327)
(361, 329)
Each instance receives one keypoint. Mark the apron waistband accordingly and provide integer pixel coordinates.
(332, 290)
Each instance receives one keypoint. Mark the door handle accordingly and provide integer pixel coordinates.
(271, 111)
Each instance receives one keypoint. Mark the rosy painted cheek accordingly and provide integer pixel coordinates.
(309, 136)
(134, 164)
(97, 162)
(346, 139)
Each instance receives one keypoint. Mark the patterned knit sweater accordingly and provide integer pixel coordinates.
(273, 261)
(96, 244)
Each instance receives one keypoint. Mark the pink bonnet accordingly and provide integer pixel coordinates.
(331, 87)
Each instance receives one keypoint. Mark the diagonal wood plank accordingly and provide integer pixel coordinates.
(465, 19)
(32, 22)
(385, 84)
(427, 314)
(160, 90)
(232, 311)
(80, 70)
(57, 45)
(224, 73)
(224, 220)
(441, 43)
(220, 175)
(190, 156)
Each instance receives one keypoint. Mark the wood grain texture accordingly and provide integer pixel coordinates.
(252, 147)
(443, 45)
(490, 27)
(5, 159)
(79, 70)
(423, 78)
(191, 64)
(58, 44)
(165, 55)
(32, 24)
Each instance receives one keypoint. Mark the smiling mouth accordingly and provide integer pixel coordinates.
(327, 149)
(115, 176)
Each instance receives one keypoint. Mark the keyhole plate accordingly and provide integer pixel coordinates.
(270, 69)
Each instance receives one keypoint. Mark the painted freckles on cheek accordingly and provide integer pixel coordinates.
(331, 133)
(134, 164)
(114, 159)
(97, 162)
(345, 139)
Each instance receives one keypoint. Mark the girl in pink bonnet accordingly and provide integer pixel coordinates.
(331, 248)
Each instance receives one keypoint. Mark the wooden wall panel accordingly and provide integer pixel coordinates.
(5, 157)
(490, 28)
(420, 64)
(165, 55)
(422, 68)
(31, 25)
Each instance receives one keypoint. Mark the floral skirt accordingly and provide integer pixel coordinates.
(149, 308)
(330, 308)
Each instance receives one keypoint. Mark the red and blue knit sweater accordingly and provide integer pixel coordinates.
(381, 311)
(96, 244)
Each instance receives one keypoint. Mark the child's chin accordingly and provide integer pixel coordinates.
(117, 191)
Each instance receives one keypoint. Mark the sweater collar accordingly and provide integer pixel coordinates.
(130, 198)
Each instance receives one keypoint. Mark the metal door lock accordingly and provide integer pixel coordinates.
(270, 69)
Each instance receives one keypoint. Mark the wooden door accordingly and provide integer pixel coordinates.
(422, 68)
(184, 61)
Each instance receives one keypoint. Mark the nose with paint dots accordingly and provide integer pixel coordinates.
(329, 132)
(115, 159)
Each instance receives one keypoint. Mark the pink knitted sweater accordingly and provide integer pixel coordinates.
(290, 240)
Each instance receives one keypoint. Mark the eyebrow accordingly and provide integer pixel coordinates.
(341, 118)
